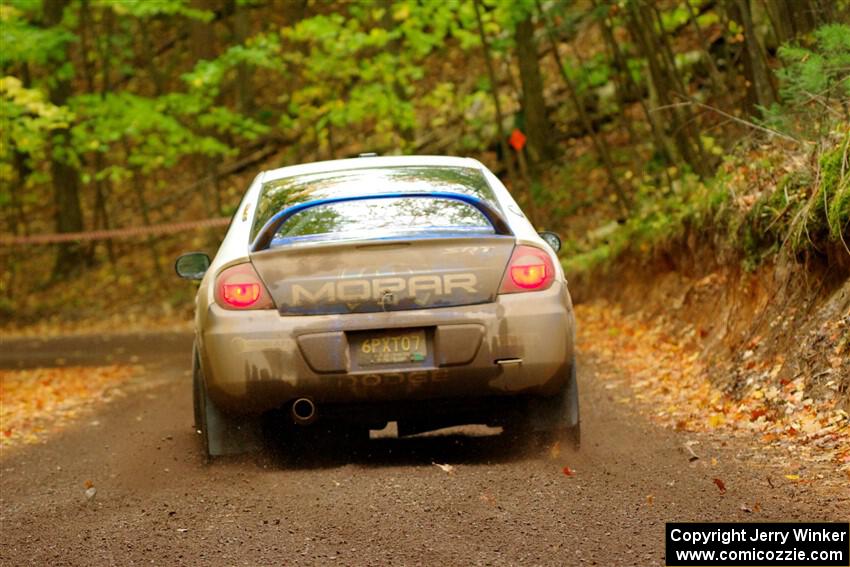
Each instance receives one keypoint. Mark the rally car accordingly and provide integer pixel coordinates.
(362, 291)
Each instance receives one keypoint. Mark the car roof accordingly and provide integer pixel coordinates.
(367, 162)
(235, 246)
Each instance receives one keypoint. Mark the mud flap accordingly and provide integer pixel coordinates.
(230, 435)
(222, 434)
(559, 413)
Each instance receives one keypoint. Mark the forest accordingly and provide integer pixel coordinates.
(131, 127)
(693, 155)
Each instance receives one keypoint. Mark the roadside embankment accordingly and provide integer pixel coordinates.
(705, 344)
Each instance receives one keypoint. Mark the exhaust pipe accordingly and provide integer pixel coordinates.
(303, 411)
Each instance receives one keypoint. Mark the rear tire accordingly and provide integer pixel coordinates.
(196, 390)
(200, 403)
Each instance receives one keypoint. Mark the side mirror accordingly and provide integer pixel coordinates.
(192, 266)
(552, 239)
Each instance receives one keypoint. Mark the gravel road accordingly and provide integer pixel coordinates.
(158, 503)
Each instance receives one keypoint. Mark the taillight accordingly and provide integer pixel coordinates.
(530, 269)
(239, 287)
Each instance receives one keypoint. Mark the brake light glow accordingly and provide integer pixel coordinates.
(530, 269)
(241, 294)
(529, 277)
(239, 287)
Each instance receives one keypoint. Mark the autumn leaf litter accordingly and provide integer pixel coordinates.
(37, 402)
(670, 382)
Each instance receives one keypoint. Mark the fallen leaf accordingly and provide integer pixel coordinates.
(716, 420)
(650, 499)
(757, 413)
(792, 476)
(720, 485)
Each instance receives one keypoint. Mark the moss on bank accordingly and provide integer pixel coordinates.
(802, 211)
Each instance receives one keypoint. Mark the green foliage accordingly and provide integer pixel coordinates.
(151, 126)
(822, 70)
(262, 51)
(158, 8)
(806, 210)
(764, 229)
(591, 74)
(835, 189)
(661, 216)
(360, 69)
(27, 118)
(813, 79)
(24, 42)
(129, 129)
(145, 99)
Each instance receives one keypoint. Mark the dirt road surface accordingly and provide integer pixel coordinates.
(158, 503)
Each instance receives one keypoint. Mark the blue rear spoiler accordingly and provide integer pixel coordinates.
(264, 238)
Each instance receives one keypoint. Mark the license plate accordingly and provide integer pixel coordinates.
(391, 347)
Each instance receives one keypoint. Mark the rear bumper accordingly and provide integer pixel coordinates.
(255, 361)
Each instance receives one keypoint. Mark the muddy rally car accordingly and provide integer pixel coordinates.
(351, 293)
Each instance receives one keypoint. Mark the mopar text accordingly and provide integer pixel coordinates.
(376, 288)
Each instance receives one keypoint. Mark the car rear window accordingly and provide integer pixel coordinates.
(383, 218)
(379, 217)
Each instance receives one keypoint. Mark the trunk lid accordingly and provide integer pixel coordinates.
(384, 275)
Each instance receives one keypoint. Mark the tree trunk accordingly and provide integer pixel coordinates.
(66, 179)
(244, 72)
(16, 219)
(494, 87)
(599, 143)
(621, 85)
(631, 89)
(665, 81)
(407, 131)
(158, 79)
(804, 15)
(720, 90)
(204, 48)
(141, 202)
(759, 72)
(780, 20)
(102, 187)
(685, 112)
(537, 126)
